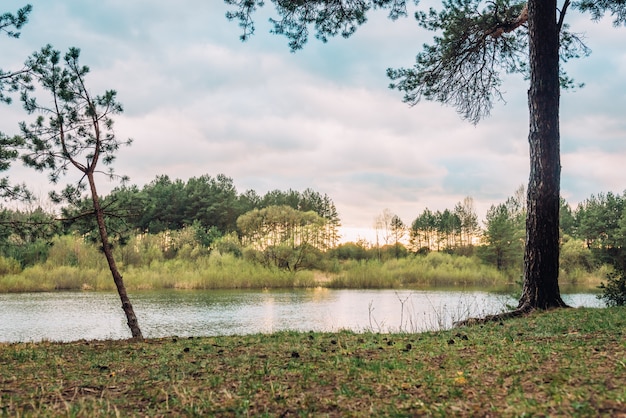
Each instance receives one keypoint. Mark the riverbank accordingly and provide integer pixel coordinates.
(569, 362)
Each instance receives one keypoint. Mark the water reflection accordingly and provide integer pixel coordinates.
(75, 315)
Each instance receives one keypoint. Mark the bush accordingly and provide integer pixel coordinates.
(614, 291)
(9, 266)
(575, 255)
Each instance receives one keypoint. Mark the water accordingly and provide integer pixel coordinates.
(70, 316)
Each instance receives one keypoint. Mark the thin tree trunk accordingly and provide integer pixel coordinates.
(541, 258)
(131, 319)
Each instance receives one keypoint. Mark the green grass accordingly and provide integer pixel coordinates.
(438, 269)
(569, 362)
(74, 264)
(209, 272)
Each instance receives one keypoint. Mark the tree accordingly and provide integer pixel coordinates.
(601, 222)
(398, 230)
(11, 81)
(283, 236)
(475, 42)
(469, 221)
(383, 227)
(78, 133)
(423, 231)
(503, 237)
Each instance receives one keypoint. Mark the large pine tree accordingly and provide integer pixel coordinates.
(476, 41)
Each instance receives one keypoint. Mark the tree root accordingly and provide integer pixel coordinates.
(519, 312)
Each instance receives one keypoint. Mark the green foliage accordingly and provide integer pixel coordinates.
(575, 255)
(327, 18)
(601, 223)
(614, 291)
(26, 235)
(78, 132)
(16, 21)
(210, 204)
(369, 274)
(10, 82)
(286, 237)
(434, 269)
(350, 251)
(47, 278)
(73, 251)
(504, 235)
(463, 66)
(216, 271)
(450, 230)
(9, 266)
(141, 250)
(228, 244)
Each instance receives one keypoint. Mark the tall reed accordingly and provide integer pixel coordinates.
(435, 269)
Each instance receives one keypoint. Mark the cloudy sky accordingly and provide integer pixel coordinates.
(198, 101)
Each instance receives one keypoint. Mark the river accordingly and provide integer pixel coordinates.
(70, 316)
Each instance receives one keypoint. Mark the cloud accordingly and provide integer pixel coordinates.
(198, 101)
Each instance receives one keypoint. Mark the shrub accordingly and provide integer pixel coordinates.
(9, 266)
(614, 291)
(575, 255)
(74, 251)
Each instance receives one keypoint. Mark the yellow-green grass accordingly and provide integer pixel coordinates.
(434, 269)
(75, 265)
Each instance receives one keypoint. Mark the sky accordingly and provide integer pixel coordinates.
(199, 101)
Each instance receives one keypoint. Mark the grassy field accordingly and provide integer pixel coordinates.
(562, 363)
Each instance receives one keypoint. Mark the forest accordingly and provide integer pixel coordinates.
(290, 238)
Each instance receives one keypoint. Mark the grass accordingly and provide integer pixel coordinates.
(216, 271)
(147, 263)
(74, 265)
(569, 362)
(434, 269)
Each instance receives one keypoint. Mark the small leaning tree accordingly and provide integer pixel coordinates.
(74, 130)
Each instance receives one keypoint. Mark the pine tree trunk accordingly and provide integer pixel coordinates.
(131, 319)
(541, 258)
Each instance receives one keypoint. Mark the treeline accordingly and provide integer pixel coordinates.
(295, 230)
(592, 234)
(212, 203)
(210, 206)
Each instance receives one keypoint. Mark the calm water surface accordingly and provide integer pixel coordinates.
(70, 316)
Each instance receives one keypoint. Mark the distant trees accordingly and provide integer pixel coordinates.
(592, 235)
(210, 203)
(383, 228)
(398, 231)
(450, 230)
(282, 236)
(601, 222)
(504, 236)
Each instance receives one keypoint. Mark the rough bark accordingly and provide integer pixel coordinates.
(541, 258)
(131, 319)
